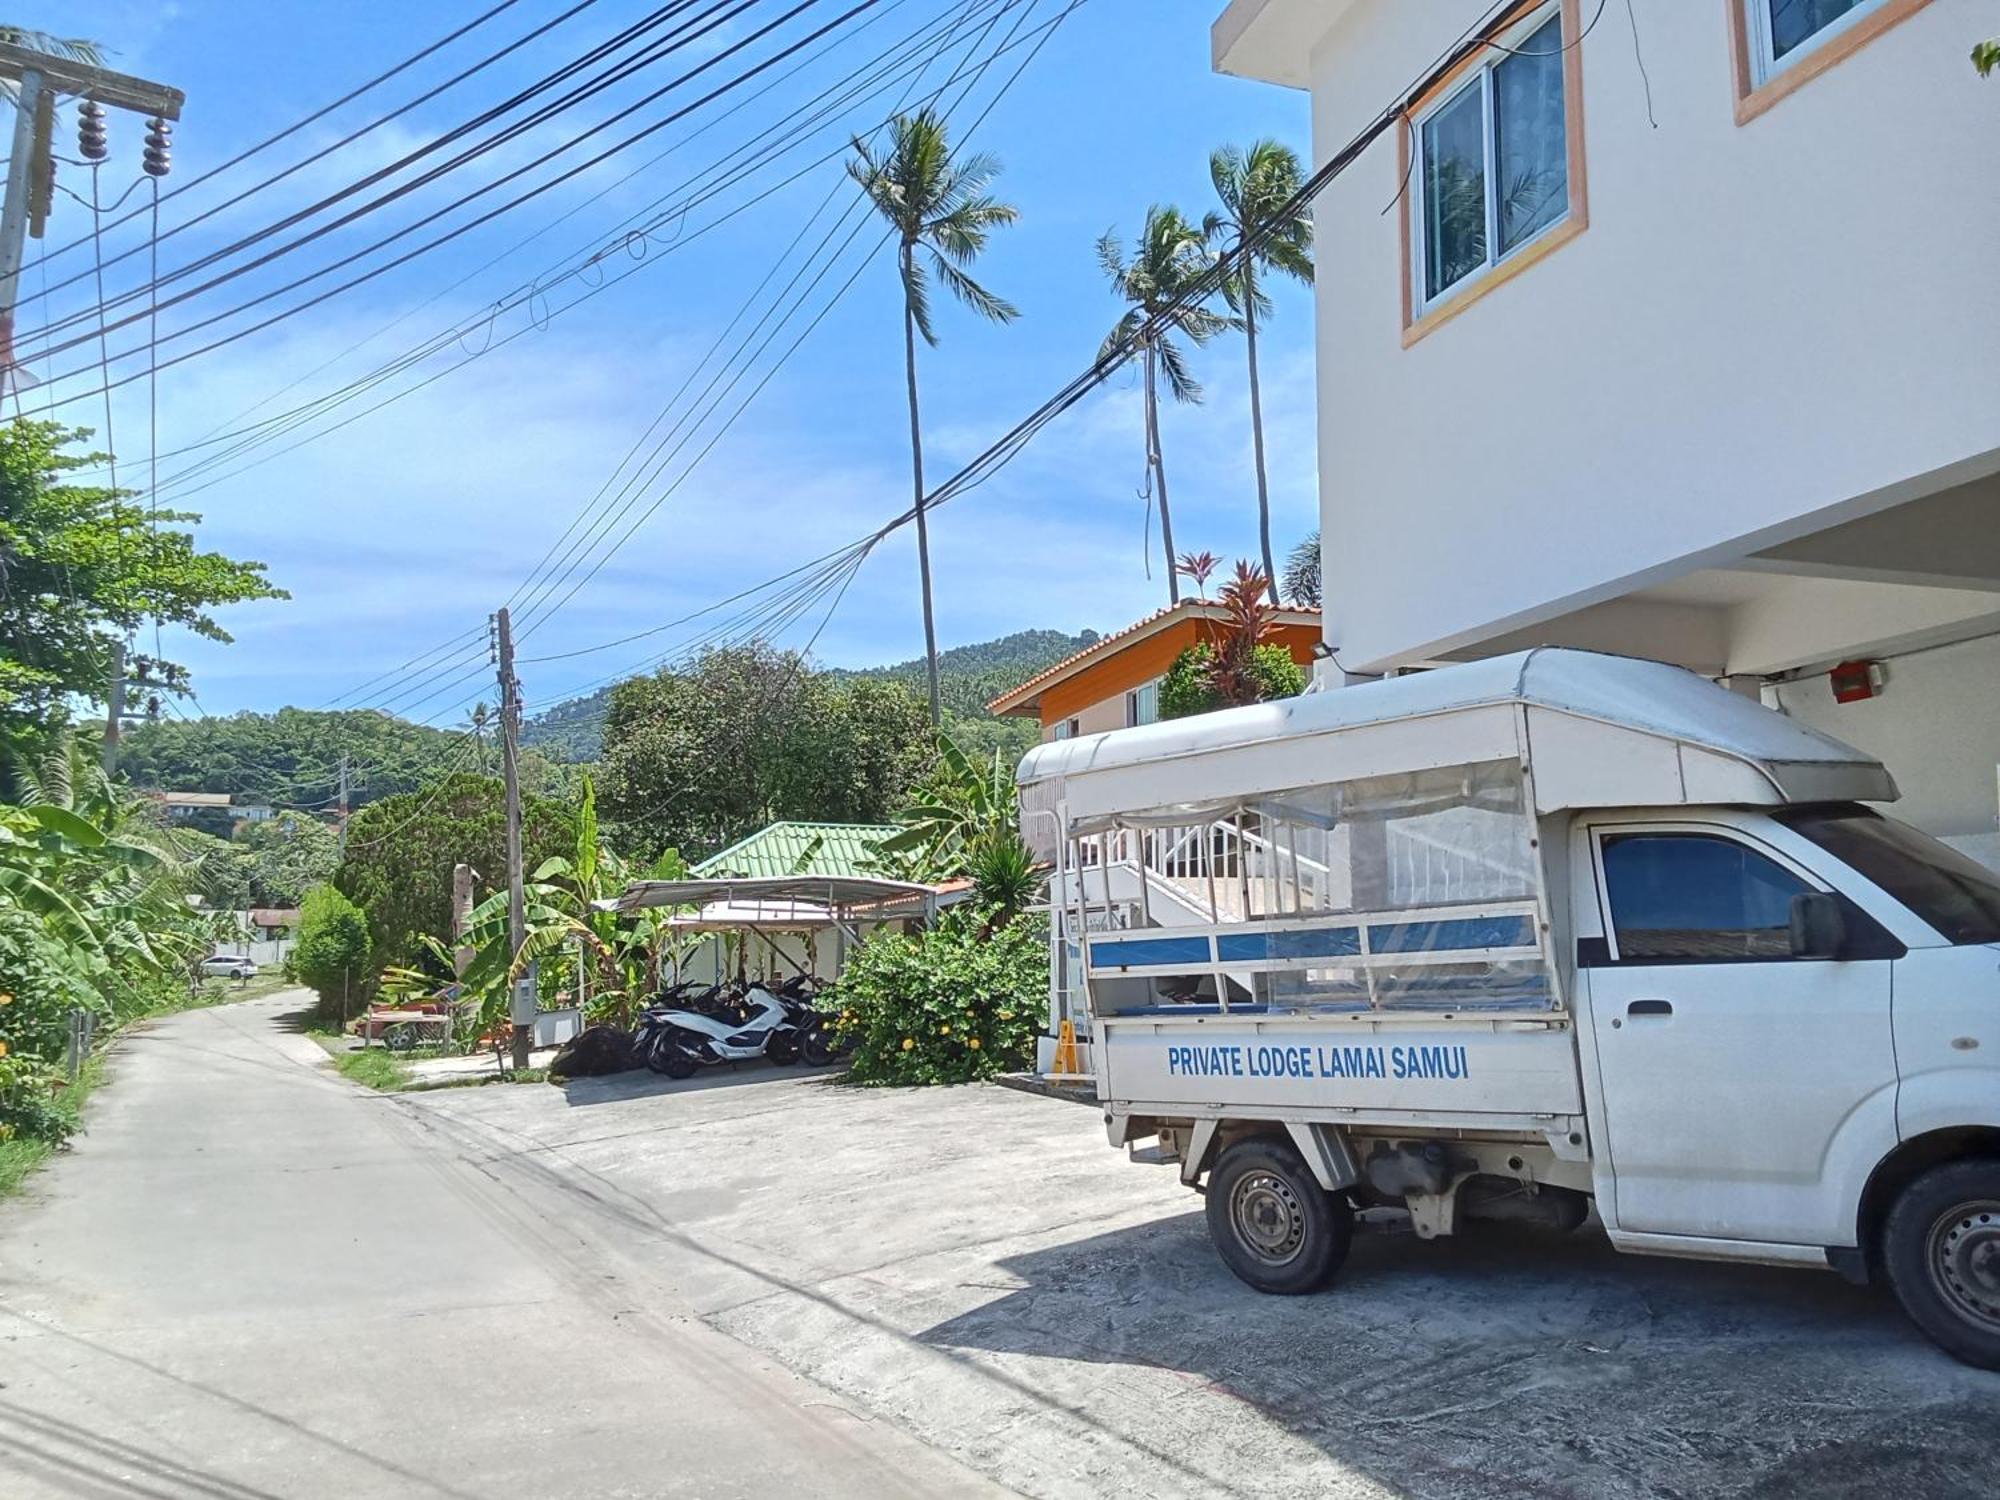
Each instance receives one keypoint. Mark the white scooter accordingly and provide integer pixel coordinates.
(679, 1042)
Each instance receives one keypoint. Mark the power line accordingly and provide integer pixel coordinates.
(212, 436)
(635, 240)
(555, 578)
(545, 611)
(319, 114)
(491, 214)
(485, 117)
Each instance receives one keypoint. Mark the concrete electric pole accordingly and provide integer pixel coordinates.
(114, 716)
(38, 78)
(523, 998)
(343, 806)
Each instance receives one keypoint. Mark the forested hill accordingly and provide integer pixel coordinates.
(292, 758)
(969, 677)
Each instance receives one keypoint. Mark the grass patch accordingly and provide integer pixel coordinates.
(21, 1158)
(373, 1067)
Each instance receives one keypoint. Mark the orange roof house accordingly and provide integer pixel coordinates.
(1114, 683)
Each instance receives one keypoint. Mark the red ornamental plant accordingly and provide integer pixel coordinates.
(1198, 566)
(1247, 618)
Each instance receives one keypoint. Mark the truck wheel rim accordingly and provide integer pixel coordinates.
(1965, 1262)
(1268, 1218)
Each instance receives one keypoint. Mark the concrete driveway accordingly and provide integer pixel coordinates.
(975, 1267)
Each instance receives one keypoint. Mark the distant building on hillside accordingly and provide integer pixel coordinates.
(181, 806)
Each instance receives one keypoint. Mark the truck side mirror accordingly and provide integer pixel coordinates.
(1819, 927)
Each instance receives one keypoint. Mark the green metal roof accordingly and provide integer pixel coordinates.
(800, 849)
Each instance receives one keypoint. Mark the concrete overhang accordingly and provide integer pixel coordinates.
(1272, 40)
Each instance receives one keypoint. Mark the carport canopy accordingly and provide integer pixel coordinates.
(788, 902)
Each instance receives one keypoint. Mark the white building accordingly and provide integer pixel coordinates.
(1709, 374)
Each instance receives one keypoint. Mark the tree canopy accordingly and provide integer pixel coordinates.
(698, 758)
(290, 758)
(400, 853)
(82, 568)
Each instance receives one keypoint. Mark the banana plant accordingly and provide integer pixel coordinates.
(565, 906)
(962, 805)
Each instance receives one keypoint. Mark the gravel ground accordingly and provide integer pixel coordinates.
(975, 1266)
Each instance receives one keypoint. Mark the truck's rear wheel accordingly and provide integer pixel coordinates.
(1941, 1248)
(1272, 1223)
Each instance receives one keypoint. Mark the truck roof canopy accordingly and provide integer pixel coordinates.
(1596, 730)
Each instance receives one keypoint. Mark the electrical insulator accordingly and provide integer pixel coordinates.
(91, 142)
(159, 157)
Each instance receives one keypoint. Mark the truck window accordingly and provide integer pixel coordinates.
(1696, 897)
(1953, 892)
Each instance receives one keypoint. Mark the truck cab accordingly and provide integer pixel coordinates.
(1527, 938)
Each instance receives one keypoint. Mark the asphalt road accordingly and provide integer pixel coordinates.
(252, 1279)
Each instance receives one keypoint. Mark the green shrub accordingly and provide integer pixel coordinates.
(32, 1106)
(949, 1004)
(331, 954)
(1189, 688)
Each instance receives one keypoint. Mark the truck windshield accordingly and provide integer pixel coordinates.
(1953, 892)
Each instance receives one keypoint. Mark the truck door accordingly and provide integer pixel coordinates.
(1728, 1066)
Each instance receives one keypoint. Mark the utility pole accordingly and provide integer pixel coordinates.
(342, 805)
(524, 1002)
(114, 716)
(38, 77)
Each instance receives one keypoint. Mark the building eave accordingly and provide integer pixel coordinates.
(1025, 700)
(1272, 40)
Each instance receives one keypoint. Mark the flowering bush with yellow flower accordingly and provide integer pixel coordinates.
(960, 1001)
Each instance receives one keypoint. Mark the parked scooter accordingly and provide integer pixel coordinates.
(680, 1038)
(817, 1042)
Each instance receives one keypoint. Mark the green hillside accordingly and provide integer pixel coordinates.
(969, 677)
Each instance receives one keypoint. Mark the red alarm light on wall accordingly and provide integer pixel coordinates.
(1855, 680)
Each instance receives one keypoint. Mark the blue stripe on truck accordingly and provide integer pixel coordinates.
(1452, 934)
(1317, 942)
(1135, 953)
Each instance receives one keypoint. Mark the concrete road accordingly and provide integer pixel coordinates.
(252, 1279)
(977, 1266)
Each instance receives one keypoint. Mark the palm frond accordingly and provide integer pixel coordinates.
(972, 294)
(917, 295)
(1180, 380)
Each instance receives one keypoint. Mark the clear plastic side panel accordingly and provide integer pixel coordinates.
(1418, 892)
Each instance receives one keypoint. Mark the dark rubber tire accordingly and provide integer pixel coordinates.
(670, 1058)
(816, 1047)
(1272, 1223)
(783, 1049)
(1941, 1250)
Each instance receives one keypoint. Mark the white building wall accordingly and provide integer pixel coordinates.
(1936, 727)
(1765, 328)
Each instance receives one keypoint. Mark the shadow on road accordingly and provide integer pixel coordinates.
(1508, 1362)
(641, 1083)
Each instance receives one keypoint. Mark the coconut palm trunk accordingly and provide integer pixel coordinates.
(917, 477)
(941, 207)
(1159, 467)
(1265, 215)
(1257, 438)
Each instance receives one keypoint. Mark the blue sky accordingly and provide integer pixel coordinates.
(406, 527)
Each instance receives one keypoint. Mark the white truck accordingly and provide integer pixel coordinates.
(1530, 935)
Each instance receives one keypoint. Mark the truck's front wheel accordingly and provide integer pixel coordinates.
(1941, 1247)
(1272, 1223)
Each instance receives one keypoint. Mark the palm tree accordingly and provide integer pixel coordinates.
(1302, 571)
(1165, 263)
(1258, 189)
(941, 207)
